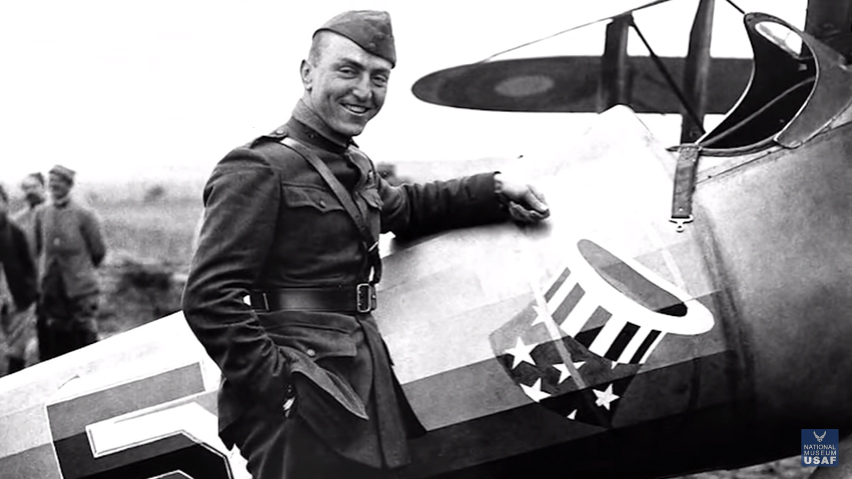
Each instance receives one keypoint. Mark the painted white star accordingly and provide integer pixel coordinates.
(521, 352)
(604, 398)
(573, 415)
(535, 393)
(564, 373)
(541, 315)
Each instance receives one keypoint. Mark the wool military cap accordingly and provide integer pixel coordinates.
(64, 172)
(369, 29)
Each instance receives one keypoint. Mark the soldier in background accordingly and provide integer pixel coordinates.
(33, 187)
(71, 244)
(17, 287)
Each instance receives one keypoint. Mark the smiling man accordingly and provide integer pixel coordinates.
(282, 284)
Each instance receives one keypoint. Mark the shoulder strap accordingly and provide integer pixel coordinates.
(371, 244)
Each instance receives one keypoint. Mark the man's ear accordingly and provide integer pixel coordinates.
(306, 70)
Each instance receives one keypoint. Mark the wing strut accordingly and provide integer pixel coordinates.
(614, 85)
(697, 71)
(667, 76)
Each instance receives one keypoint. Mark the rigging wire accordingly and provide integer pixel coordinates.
(656, 59)
(742, 12)
(666, 75)
(576, 27)
(548, 37)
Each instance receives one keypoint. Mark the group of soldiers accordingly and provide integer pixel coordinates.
(49, 251)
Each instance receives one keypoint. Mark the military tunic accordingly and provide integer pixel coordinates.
(18, 291)
(26, 219)
(271, 222)
(22, 324)
(69, 238)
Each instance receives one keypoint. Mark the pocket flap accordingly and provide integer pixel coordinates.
(315, 341)
(329, 386)
(303, 196)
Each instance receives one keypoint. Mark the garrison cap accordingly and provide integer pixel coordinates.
(64, 172)
(369, 29)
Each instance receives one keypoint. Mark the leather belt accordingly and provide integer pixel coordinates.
(360, 298)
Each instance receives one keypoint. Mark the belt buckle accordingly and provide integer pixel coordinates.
(365, 298)
(258, 301)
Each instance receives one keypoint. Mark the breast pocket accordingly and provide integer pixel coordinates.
(310, 197)
(313, 223)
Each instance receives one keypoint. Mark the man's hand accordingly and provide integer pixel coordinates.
(526, 205)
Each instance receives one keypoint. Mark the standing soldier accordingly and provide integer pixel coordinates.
(69, 238)
(292, 222)
(17, 287)
(33, 188)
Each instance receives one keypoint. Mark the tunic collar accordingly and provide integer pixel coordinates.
(303, 114)
(62, 202)
(33, 207)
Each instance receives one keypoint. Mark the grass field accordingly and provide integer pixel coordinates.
(160, 230)
(150, 246)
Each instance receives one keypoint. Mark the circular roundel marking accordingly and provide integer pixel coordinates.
(524, 85)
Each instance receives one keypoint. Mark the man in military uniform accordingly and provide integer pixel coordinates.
(17, 287)
(281, 286)
(33, 188)
(70, 240)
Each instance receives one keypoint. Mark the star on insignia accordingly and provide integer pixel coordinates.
(535, 393)
(605, 398)
(521, 353)
(564, 373)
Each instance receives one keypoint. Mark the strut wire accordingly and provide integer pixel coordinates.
(548, 37)
(666, 75)
(742, 12)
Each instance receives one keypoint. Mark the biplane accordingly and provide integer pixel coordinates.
(680, 311)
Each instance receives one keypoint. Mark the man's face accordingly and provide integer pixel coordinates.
(347, 85)
(59, 186)
(33, 190)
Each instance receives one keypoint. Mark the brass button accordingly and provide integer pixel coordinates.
(311, 352)
(56, 241)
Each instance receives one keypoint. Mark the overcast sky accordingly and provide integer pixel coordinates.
(123, 90)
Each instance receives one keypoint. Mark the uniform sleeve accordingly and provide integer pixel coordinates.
(26, 291)
(37, 227)
(91, 229)
(240, 213)
(419, 209)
